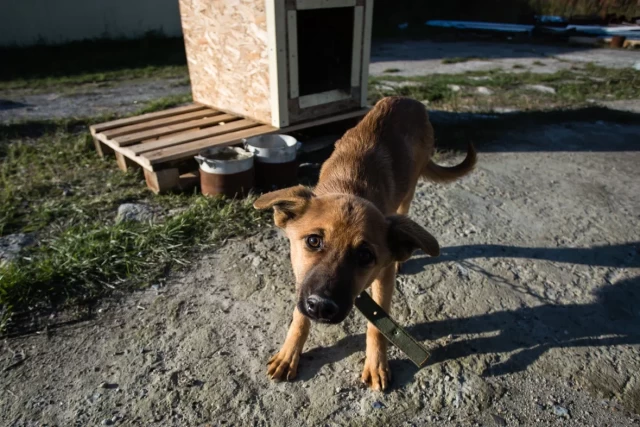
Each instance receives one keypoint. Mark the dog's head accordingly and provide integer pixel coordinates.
(339, 244)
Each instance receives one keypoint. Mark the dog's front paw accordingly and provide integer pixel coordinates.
(283, 365)
(376, 373)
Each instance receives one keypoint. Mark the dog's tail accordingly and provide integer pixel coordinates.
(443, 174)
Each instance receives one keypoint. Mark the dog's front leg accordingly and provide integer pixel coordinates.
(376, 372)
(284, 364)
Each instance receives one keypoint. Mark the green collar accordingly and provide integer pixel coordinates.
(391, 330)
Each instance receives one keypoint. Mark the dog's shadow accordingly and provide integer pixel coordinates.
(312, 361)
(525, 333)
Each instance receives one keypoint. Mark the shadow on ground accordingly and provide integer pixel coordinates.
(598, 129)
(528, 332)
(7, 104)
(612, 319)
(90, 56)
(622, 255)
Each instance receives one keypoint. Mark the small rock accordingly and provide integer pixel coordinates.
(173, 398)
(393, 84)
(498, 420)
(256, 262)
(134, 212)
(176, 211)
(469, 231)
(463, 272)
(503, 110)
(454, 88)
(636, 66)
(107, 422)
(108, 386)
(377, 405)
(541, 88)
(484, 90)
(12, 244)
(560, 411)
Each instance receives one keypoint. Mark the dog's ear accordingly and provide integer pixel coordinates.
(405, 236)
(287, 203)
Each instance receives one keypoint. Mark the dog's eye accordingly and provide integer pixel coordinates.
(365, 256)
(314, 242)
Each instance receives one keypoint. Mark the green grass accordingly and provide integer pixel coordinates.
(392, 70)
(458, 60)
(92, 259)
(164, 103)
(518, 67)
(53, 184)
(42, 161)
(102, 78)
(91, 61)
(539, 63)
(574, 88)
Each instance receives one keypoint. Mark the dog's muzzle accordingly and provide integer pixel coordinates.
(323, 310)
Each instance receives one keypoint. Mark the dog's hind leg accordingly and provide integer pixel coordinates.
(376, 372)
(284, 364)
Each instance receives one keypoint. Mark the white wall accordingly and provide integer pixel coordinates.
(25, 22)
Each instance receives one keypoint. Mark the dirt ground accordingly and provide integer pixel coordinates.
(87, 100)
(531, 313)
(409, 58)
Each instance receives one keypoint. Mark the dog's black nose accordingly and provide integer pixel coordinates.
(321, 308)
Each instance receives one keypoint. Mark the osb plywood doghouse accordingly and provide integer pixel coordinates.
(256, 67)
(278, 62)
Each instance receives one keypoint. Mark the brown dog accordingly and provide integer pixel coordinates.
(350, 231)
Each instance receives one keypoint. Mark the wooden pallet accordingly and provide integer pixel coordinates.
(164, 143)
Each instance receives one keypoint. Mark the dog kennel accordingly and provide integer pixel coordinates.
(279, 62)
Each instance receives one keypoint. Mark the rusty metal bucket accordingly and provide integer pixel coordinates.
(227, 171)
(276, 163)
